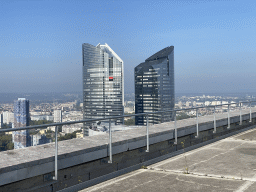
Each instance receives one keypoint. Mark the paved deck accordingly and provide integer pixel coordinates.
(226, 165)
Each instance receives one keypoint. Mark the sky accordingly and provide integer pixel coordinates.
(214, 42)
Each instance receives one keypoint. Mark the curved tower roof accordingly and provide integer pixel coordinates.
(161, 54)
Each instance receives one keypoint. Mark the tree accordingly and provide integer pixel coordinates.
(6, 126)
(183, 115)
(69, 136)
(130, 121)
(6, 142)
(39, 122)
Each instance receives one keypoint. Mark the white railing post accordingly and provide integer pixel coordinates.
(241, 121)
(250, 112)
(197, 126)
(175, 127)
(110, 142)
(56, 154)
(147, 136)
(228, 117)
(214, 111)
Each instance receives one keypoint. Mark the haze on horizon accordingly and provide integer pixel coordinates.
(214, 42)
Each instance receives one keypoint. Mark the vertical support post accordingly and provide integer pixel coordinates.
(175, 127)
(214, 111)
(228, 118)
(147, 136)
(110, 142)
(56, 154)
(250, 112)
(197, 127)
(240, 104)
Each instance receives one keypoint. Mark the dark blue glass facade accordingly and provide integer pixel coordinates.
(21, 139)
(154, 87)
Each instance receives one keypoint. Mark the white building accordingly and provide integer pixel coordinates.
(42, 117)
(1, 120)
(57, 116)
(8, 117)
(180, 104)
(188, 103)
(207, 103)
(234, 105)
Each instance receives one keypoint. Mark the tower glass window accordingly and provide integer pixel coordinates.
(154, 87)
(103, 83)
(21, 139)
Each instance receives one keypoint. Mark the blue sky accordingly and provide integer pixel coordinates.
(214, 42)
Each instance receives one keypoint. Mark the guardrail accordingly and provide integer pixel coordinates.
(147, 126)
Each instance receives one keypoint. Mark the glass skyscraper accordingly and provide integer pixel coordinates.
(103, 83)
(154, 87)
(21, 139)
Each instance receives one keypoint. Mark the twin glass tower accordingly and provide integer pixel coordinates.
(103, 83)
(154, 87)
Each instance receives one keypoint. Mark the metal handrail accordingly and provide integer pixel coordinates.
(112, 117)
(131, 115)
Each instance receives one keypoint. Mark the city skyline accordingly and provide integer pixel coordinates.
(214, 42)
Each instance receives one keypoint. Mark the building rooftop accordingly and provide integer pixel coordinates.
(229, 162)
(226, 165)
(161, 54)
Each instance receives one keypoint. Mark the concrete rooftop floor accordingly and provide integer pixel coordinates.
(226, 165)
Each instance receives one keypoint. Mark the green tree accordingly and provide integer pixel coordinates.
(6, 142)
(130, 121)
(69, 136)
(39, 122)
(183, 115)
(6, 126)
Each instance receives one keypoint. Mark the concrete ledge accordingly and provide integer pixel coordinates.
(30, 162)
(146, 163)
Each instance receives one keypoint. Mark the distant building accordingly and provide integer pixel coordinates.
(1, 120)
(21, 139)
(57, 116)
(214, 103)
(233, 105)
(8, 117)
(42, 117)
(103, 83)
(224, 103)
(207, 103)
(79, 135)
(180, 104)
(154, 87)
(39, 140)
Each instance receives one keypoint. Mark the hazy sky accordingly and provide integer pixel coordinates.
(214, 42)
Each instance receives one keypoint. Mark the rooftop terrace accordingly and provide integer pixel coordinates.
(226, 165)
(86, 160)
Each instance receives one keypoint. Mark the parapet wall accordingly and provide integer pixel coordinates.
(80, 160)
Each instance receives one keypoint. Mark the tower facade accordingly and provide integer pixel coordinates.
(154, 87)
(1, 120)
(57, 116)
(21, 139)
(103, 83)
